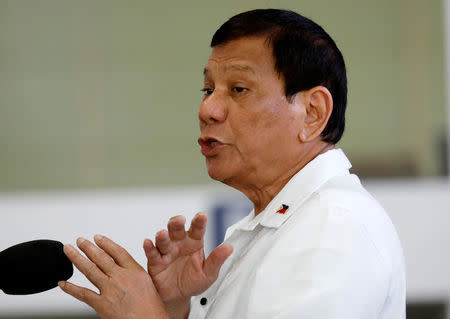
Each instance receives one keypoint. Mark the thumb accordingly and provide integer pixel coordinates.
(148, 246)
(215, 261)
(151, 252)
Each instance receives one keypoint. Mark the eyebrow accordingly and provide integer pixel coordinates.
(234, 68)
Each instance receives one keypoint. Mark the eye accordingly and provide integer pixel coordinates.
(207, 91)
(239, 89)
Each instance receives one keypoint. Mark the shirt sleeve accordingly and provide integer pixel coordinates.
(337, 273)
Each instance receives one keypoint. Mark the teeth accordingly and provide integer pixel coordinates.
(213, 144)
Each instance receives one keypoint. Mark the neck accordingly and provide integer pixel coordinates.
(265, 186)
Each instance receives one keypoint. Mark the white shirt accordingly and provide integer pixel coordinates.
(332, 254)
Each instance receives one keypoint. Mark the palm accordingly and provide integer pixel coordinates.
(177, 264)
(181, 269)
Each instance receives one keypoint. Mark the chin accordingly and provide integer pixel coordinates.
(216, 175)
(218, 172)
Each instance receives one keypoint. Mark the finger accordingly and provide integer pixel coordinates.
(152, 254)
(163, 243)
(96, 255)
(176, 228)
(87, 267)
(198, 226)
(215, 260)
(118, 253)
(83, 294)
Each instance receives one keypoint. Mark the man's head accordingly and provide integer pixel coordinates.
(268, 100)
(305, 56)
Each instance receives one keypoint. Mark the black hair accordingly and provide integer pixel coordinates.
(305, 56)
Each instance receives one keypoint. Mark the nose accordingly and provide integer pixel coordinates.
(213, 109)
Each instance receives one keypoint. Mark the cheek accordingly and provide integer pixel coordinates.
(261, 126)
(256, 136)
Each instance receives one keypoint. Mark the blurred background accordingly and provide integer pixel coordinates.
(98, 126)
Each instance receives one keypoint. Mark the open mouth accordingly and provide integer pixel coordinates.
(212, 142)
(210, 146)
(208, 141)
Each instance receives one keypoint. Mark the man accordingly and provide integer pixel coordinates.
(316, 245)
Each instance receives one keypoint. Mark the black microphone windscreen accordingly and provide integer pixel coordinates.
(33, 267)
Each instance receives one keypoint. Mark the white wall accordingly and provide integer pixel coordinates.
(421, 213)
(419, 210)
(126, 216)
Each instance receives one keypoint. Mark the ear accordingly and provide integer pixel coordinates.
(318, 104)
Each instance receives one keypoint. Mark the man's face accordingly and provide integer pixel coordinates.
(249, 130)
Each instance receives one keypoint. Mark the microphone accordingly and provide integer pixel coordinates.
(33, 267)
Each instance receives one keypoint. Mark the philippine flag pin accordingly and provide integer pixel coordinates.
(283, 209)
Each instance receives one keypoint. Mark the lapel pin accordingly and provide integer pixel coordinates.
(283, 209)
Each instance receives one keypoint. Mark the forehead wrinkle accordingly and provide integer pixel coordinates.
(240, 68)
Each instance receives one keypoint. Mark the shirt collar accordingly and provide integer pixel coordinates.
(299, 188)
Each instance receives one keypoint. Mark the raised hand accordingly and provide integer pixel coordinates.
(177, 263)
(126, 290)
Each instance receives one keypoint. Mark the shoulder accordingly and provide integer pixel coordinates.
(345, 200)
(341, 218)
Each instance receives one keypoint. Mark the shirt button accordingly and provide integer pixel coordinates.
(203, 301)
